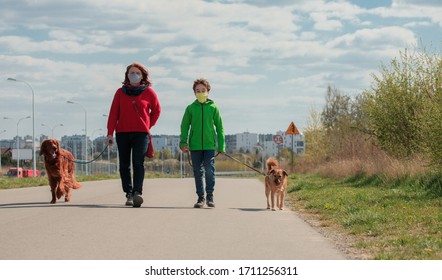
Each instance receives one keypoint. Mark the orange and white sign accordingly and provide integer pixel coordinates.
(292, 129)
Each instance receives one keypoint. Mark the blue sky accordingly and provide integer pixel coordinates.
(269, 62)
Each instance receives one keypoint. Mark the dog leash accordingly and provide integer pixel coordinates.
(87, 162)
(229, 156)
(237, 160)
(203, 163)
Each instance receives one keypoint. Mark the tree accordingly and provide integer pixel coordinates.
(431, 82)
(404, 106)
(336, 110)
(342, 121)
(316, 148)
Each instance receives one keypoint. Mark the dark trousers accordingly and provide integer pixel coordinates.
(203, 167)
(135, 144)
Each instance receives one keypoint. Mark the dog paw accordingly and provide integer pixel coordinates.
(273, 209)
(53, 202)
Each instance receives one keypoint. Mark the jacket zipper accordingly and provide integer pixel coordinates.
(202, 126)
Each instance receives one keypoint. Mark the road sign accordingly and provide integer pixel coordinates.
(278, 139)
(292, 129)
(25, 154)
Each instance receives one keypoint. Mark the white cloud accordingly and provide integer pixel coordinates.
(262, 57)
(325, 24)
(370, 39)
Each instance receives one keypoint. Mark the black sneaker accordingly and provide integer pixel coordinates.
(200, 202)
(137, 199)
(210, 202)
(129, 201)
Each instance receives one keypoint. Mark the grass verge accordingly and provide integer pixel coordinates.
(14, 183)
(400, 220)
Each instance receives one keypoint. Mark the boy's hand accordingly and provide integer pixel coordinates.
(185, 149)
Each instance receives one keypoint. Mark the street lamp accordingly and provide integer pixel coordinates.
(1, 170)
(41, 135)
(262, 156)
(93, 149)
(18, 141)
(57, 125)
(108, 152)
(52, 129)
(34, 166)
(85, 133)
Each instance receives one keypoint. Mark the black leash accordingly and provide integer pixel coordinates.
(87, 162)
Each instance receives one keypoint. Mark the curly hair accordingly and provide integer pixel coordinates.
(144, 80)
(203, 82)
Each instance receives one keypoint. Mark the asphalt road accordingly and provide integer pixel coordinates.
(96, 225)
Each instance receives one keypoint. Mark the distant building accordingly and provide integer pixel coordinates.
(171, 142)
(249, 142)
(297, 141)
(245, 142)
(231, 145)
(24, 143)
(75, 144)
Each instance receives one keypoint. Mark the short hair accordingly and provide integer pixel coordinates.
(202, 82)
(145, 73)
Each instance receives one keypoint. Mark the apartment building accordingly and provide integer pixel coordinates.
(241, 142)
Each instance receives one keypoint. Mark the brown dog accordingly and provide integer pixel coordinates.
(276, 184)
(60, 170)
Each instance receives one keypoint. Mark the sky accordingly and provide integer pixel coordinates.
(269, 62)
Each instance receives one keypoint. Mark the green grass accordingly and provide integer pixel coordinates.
(14, 183)
(401, 219)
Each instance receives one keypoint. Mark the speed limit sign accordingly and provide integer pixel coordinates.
(278, 139)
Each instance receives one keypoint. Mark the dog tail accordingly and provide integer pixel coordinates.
(75, 184)
(71, 171)
(271, 163)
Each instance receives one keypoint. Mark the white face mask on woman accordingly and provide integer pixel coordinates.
(134, 78)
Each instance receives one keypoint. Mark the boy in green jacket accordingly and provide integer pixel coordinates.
(206, 135)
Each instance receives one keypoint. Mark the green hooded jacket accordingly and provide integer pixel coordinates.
(206, 127)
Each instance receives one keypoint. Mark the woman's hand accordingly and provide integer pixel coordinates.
(110, 140)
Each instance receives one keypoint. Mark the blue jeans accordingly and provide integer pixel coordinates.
(202, 165)
(134, 143)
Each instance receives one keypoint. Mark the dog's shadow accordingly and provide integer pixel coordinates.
(69, 205)
(57, 205)
(107, 206)
(250, 209)
(25, 205)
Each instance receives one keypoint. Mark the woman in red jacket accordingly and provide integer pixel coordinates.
(134, 110)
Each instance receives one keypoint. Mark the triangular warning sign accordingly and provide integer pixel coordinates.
(292, 129)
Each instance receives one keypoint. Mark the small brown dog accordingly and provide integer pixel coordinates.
(60, 170)
(276, 184)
